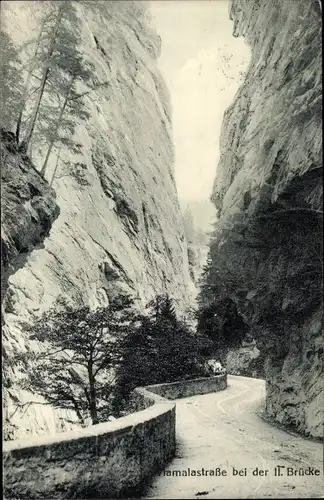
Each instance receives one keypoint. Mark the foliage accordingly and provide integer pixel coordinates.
(81, 349)
(189, 225)
(11, 85)
(47, 106)
(222, 323)
(160, 348)
(267, 263)
(92, 360)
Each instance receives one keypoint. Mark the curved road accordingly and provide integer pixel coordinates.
(222, 430)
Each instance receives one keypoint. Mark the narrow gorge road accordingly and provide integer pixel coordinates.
(222, 430)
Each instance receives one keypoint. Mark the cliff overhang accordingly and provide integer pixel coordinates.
(268, 193)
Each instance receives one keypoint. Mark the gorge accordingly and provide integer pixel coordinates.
(111, 221)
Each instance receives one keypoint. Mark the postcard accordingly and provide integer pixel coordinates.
(161, 249)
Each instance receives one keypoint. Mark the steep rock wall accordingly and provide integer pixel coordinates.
(246, 361)
(268, 192)
(28, 211)
(120, 227)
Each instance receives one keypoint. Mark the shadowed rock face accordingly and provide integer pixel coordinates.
(28, 209)
(268, 192)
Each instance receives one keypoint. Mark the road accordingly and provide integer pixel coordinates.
(222, 430)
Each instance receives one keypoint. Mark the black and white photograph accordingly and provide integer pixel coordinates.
(161, 249)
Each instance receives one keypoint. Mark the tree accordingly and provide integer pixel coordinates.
(58, 157)
(45, 110)
(57, 15)
(159, 348)
(31, 65)
(81, 350)
(11, 85)
(54, 133)
(162, 308)
(40, 68)
(222, 323)
(189, 225)
(61, 73)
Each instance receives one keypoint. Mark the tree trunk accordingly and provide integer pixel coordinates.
(19, 123)
(93, 408)
(93, 396)
(58, 123)
(31, 150)
(56, 166)
(45, 75)
(28, 77)
(78, 412)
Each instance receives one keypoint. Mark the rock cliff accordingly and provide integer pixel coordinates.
(268, 193)
(29, 209)
(120, 226)
(246, 361)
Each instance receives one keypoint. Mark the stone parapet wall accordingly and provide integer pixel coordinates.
(187, 388)
(108, 460)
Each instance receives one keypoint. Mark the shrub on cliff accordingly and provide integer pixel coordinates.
(81, 349)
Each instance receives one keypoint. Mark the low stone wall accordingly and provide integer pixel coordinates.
(109, 460)
(191, 387)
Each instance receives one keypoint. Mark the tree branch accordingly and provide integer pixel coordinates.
(52, 353)
(89, 91)
(21, 405)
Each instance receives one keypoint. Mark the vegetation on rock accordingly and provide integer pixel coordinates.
(47, 104)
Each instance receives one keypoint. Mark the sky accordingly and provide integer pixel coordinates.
(203, 66)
